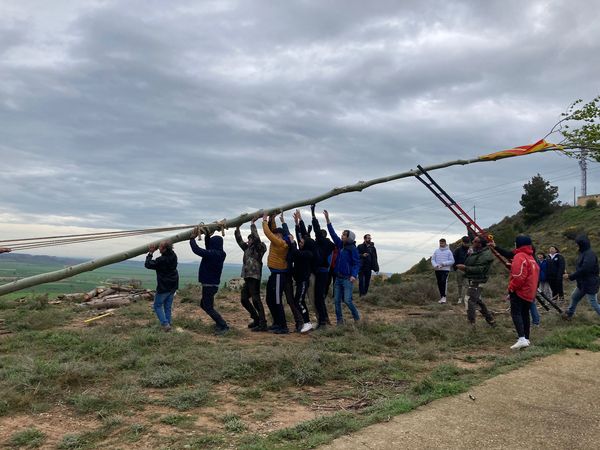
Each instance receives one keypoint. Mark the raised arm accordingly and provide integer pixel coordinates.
(194, 246)
(275, 240)
(239, 240)
(336, 239)
(254, 231)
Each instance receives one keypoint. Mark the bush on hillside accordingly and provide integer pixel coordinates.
(538, 200)
(591, 203)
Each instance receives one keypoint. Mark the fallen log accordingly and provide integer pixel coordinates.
(76, 297)
(107, 292)
(107, 302)
(91, 294)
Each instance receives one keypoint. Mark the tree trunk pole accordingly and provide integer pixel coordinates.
(232, 223)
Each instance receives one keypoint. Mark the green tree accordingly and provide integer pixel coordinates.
(538, 200)
(580, 129)
(423, 266)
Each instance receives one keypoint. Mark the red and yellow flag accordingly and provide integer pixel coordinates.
(539, 146)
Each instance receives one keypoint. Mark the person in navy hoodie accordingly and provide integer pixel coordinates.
(209, 275)
(346, 270)
(586, 276)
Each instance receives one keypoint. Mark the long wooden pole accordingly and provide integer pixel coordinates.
(232, 223)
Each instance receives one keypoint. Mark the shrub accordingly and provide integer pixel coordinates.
(233, 423)
(162, 377)
(199, 396)
(29, 438)
(591, 203)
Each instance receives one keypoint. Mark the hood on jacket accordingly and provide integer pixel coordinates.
(583, 242)
(351, 236)
(522, 240)
(309, 244)
(215, 243)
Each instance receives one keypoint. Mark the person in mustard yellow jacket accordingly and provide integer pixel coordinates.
(278, 265)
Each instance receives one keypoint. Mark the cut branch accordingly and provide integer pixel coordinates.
(232, 223)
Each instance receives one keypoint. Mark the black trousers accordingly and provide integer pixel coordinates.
(330, 282)
(364, 280)
(321, 285)
(442, 281)
(288, 290)
(251, 290)
(275, 286)
(207, 303)
(519, 311)
(300, 299)
(556, 286)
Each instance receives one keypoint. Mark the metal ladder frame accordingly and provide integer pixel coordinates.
(472, 226)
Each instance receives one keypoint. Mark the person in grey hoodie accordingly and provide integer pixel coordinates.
(442, 261)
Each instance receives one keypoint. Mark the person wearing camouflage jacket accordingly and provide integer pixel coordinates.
(476, 269)
(252, 267)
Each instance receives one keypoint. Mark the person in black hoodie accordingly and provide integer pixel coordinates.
(303, 259)
(555, 271)
(209, 275)
(167, 280)
(586, 276)
(460, 256)
(322, 280)
(368, 264)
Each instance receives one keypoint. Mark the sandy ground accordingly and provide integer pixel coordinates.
(553, 403)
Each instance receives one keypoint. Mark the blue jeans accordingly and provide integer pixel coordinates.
(576, 296)
(535, 315)
(162, 307)
(343, 291)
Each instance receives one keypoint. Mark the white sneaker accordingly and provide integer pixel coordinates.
(521, 343)
(306, 327)
(442, 300)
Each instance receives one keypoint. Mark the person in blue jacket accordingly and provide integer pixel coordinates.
(346, 270)
(209, 275)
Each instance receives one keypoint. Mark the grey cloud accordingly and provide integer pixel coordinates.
(194, 111)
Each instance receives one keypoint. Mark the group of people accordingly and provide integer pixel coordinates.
(472, 262)
(302, 267)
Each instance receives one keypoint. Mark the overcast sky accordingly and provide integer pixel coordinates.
(119, 115)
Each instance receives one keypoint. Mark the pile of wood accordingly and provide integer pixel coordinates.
(111, 296)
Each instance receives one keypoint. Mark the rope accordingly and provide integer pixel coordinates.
(49, 241)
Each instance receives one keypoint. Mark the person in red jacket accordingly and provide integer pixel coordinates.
(522, 287)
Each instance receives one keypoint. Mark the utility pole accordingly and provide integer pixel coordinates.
(474, 214)
(574, 198)
(583, 167)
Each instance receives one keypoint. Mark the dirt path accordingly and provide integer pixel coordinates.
(553, 403)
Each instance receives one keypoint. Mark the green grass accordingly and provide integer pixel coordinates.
(99, 372)
(28, 438)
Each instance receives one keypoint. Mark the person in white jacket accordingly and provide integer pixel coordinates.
(442, 261)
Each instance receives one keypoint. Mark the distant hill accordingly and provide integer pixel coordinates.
(558, 229)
